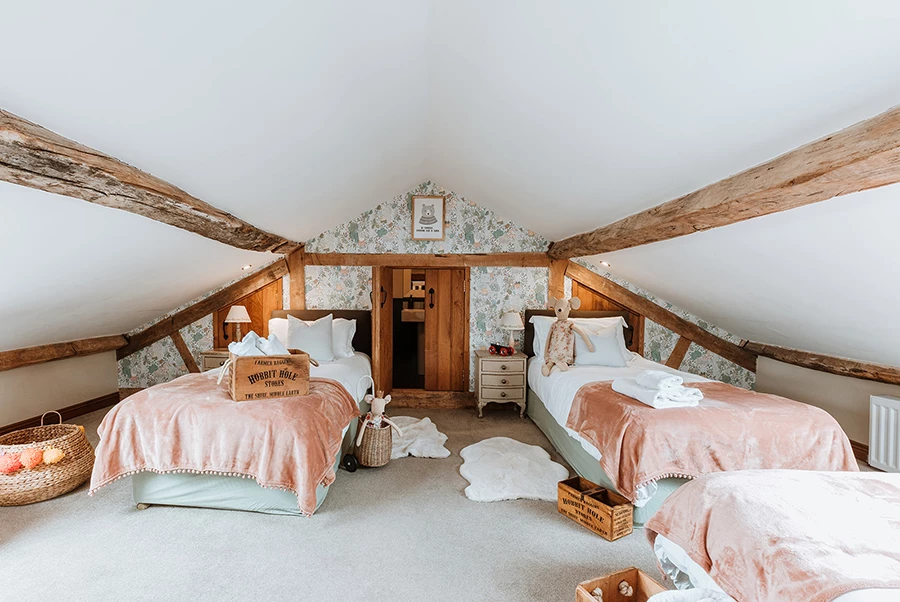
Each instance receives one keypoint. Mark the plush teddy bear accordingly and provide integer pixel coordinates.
(376, 415)
(559, 350)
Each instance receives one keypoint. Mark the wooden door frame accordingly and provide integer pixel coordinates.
(377, 327)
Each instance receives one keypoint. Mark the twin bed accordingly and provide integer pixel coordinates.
(186, 443)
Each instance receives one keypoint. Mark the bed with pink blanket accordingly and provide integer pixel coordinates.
(783, 535)
(191, 427)
(731, 429)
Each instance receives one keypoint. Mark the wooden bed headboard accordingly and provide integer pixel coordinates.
(529, 327)
(362, 340)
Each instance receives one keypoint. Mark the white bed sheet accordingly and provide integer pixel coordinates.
(558, 390)
(349, 371)
(687, 574)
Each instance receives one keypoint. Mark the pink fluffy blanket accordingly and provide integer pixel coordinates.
(731, 429)
(192, 425)
(778, 535)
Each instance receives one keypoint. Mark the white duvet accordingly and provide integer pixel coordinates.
(349, 371)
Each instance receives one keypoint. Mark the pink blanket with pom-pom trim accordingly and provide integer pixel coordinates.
(788, 535)
(191, 424)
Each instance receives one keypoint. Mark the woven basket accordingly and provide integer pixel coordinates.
(375, 449)
(46, 481)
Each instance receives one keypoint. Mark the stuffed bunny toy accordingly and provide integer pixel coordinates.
(559, 351)
(376, 415)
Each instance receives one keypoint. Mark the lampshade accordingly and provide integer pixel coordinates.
(237, 313)
(511, 320)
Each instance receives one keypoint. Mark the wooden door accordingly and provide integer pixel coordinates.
(446, 330)
(259, 304)
(383, 328)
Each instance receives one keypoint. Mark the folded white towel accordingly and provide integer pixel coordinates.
(683, 397)
(247, 347)
(657, 379)
(272, 346)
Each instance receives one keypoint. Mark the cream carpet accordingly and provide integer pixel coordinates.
(402, 532)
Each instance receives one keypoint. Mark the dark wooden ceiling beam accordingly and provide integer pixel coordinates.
(29, 356)
(860, 157)
(414, 260)
(167, 326)
(33, 156)
(827, 363)
(662, 316)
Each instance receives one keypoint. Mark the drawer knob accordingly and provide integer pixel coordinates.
(222, 363)
(503, 367)
(503, 381)
(503, 394)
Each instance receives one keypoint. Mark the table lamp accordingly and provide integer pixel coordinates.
(237, 315)
(511, 321)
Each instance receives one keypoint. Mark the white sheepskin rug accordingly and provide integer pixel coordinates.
(501, 468)
(420, 438)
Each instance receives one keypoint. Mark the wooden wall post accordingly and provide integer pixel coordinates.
(296, 262)
(556, 283)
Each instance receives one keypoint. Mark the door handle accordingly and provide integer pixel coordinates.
(383, 296)
(431, 292)
(225, 331)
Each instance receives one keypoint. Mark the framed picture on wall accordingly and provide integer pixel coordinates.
(428, 217)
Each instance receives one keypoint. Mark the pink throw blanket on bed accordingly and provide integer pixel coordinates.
(788, 535)
(731, 429)
(191, 424)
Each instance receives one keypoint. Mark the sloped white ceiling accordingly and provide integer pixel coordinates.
(297, 116)
(821, 278)
(73, 269)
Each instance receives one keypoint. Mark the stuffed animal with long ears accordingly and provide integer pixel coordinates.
(376, 414)
(559, 351)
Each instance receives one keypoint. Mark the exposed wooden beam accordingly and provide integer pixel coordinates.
(29, 356)
(860, 157)
(204, 307)
(827, 363)
(556, 282)
(426, 260)
(189, 362)
(296, 263)
(662, 316)
(33, 156)
(678, 352)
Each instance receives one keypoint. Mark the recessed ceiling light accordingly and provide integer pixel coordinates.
(604, 264)
(246, 267)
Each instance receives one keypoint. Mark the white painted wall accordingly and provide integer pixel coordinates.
(33, 390)
(847, 399)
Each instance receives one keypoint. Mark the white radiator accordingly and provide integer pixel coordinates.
(884, 432)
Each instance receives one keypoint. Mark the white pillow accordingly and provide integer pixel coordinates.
(542, 329)
(314, 339)
(342, 333)
(279, 327)
(607, 351)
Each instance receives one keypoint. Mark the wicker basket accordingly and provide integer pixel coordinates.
(46, 481)
(375, 449)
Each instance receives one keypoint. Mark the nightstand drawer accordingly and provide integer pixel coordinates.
(508, 394)
(503, 380)
(213, 361)
(501, 365)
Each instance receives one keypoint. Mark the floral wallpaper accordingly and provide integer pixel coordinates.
(161, 362)
(470, 229)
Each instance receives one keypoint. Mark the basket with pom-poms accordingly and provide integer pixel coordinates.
(40, 463)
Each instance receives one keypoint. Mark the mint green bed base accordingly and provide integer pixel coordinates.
(588, 467)
(224, 492)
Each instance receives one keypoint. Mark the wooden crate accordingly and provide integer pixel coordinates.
(602, 511)
(644, 587)
(268, 376)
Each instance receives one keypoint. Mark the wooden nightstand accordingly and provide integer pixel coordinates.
(213, 359)
(499, 379)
